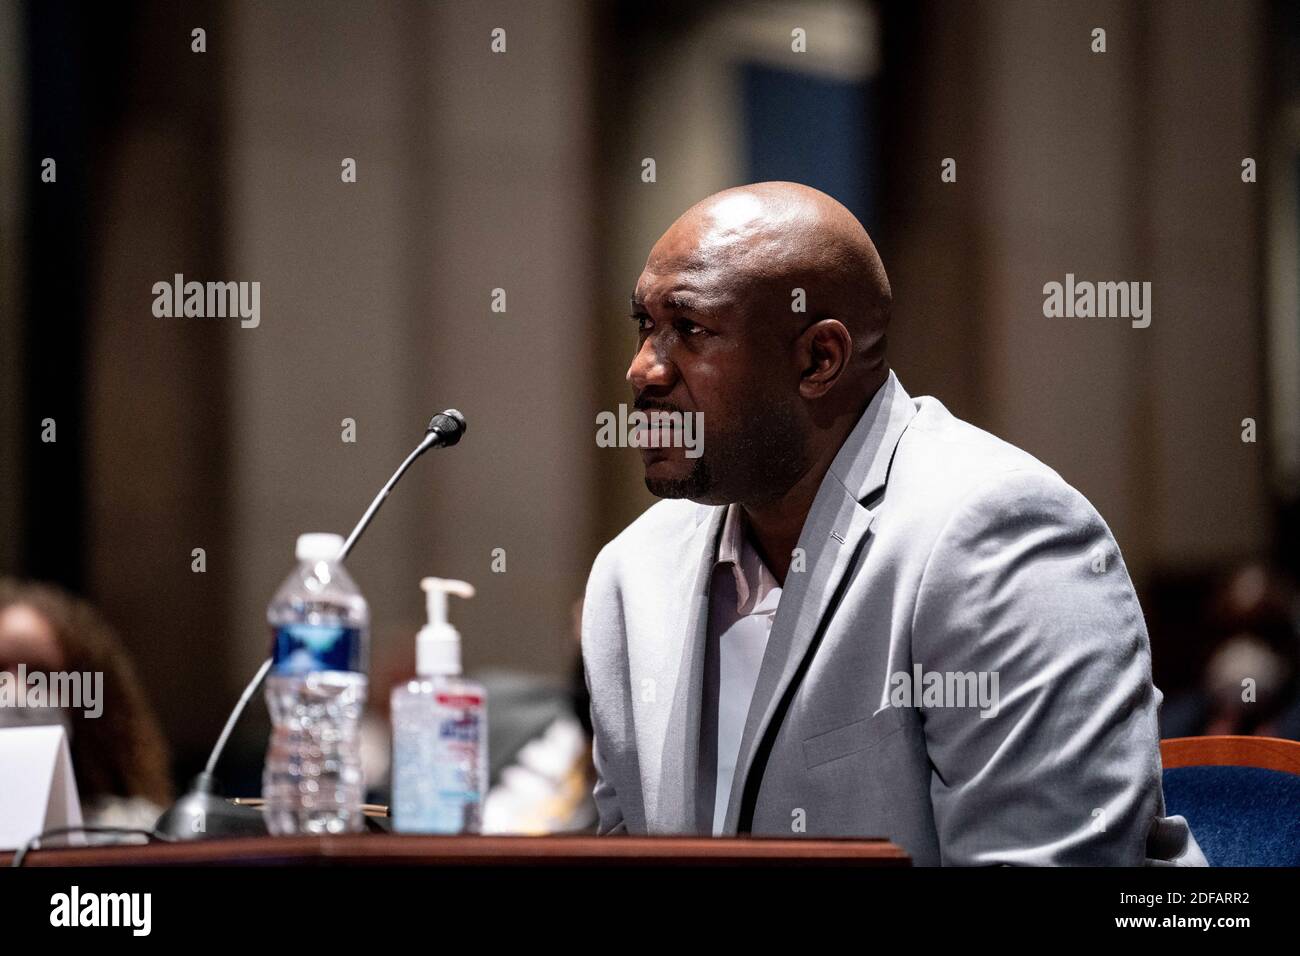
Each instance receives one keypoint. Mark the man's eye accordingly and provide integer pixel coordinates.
(687, 327)
(641, 321)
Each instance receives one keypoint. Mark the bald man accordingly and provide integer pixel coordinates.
(854, 614)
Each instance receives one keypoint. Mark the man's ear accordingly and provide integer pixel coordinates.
(824, 350)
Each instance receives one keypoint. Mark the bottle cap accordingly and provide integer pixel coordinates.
(318, 547)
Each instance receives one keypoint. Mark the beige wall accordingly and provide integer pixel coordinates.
(472, 172)
(1205, 364)
(1124, 166)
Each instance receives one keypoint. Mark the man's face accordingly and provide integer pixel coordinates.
(707, 342)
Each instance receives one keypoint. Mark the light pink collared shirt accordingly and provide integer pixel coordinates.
(742, 606)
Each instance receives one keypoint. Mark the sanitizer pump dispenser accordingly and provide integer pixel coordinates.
(440, 760)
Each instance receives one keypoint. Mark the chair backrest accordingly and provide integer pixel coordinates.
(1240, 795)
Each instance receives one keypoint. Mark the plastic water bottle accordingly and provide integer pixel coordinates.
(316, 691)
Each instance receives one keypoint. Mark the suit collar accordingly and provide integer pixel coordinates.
(680, 808)
(862, 463)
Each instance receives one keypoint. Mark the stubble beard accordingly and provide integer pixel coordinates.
(759, 463)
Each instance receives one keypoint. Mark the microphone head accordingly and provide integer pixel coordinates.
(449, 425)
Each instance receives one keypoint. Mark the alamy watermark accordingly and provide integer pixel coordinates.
(133, 911)
(209, 300)
(655, 428)
(922, 688)
(1103, 300)
(67, 690)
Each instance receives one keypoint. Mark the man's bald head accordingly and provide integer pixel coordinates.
(765, 240)
(763, 308)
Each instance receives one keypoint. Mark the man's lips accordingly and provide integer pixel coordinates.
(650, 457)
(666, 435)
(662, 433)
(666, 409)
(651, 453)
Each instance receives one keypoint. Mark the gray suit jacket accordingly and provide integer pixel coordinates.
(931, 546)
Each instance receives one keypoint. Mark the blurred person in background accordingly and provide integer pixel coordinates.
(539, 741)
(543, 775)
(1250, 679)
(119, 757)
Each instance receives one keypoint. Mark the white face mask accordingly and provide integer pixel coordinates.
(36, 717)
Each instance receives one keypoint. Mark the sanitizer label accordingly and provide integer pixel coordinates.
(460, 735)
(439, 769)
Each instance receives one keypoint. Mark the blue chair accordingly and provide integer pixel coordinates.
(1240, 795)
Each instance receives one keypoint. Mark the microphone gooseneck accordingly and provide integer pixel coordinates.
(201, 811)
(445, 430)
(211, 766)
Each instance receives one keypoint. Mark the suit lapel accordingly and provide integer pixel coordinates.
(833, 532)
(835, 527)
(679, 768)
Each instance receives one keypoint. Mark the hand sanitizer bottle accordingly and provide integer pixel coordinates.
(440, 760)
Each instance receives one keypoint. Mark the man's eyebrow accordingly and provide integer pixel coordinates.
(678, 301)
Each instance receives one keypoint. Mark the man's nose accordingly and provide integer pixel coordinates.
(648, 368)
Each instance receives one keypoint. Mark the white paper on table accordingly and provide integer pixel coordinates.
(38, 790)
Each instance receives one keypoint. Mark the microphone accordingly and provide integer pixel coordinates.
(449, 424)
(201, 811)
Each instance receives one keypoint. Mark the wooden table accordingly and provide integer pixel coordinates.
(373, 849)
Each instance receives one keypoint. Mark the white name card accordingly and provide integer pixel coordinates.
(38, 791)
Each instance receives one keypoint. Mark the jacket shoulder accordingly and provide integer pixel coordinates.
(661, 529)
(947, 459)
(944, 465)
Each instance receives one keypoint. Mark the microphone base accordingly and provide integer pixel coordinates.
(202, 813)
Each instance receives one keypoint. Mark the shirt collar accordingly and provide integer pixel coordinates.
(754, 582)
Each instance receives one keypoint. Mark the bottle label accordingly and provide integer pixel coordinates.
(457, 701)
(303, 648)
(440, 778)
(460, 726)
